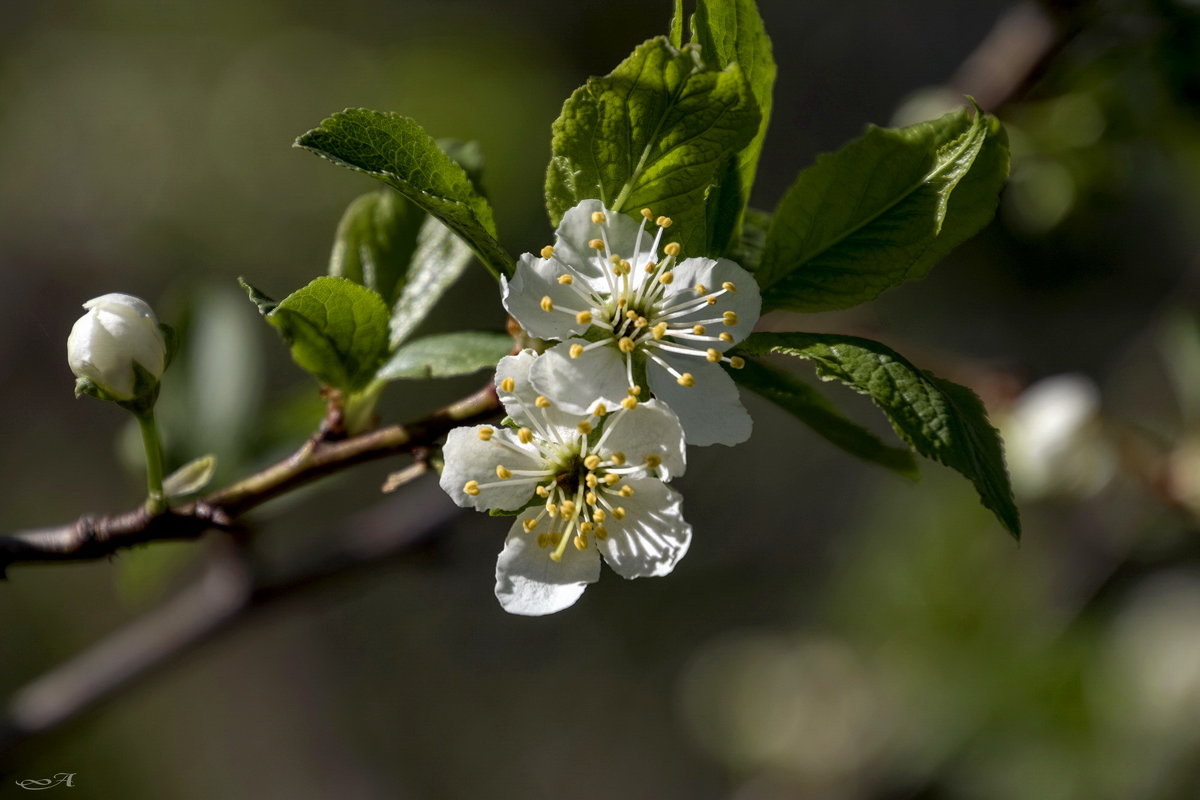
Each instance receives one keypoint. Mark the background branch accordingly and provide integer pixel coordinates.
(230, 591)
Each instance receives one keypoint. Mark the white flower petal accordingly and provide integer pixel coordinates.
(530, 583)
(711, 411)
(534, 279)
(577, 385)
(469, 458)
(652, 538)
(577, 229)
(745, 302)
(521, 402)
(649, 429)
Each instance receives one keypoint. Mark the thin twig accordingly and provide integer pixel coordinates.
(89, 538)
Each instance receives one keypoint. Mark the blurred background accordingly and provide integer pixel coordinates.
(836, 632)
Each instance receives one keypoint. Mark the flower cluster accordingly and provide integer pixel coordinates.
(597, 423)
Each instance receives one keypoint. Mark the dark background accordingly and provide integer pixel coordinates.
(836, 631)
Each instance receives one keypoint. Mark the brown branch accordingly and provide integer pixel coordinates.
(229, 592)
(89, 538)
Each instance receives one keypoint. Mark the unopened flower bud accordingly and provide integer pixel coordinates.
(118, 332)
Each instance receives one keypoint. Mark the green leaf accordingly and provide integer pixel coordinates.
(749, 249)
(447, 355)
(676, 32)
(375, 241)
(398, 151)
(190, 478)
(439, 261)
(265, 304)
(882, 210)
(812, 408)
(942, 420)
(653, 133)
(337, 331)
(732, 32)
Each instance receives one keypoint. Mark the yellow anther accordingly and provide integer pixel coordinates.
(542, 491)
(598, 515)
(729, 317)
(710, 300)
(666, 278)
(601, 532)
(713, 355)
(541, 401)
(547, 304)
(653, 461)
(647, 213)
(529, 525)
(625, 344)
(586, 527)
(641, 322)
(622, 302)
(619, 512)
(583, 318)
(726, 336)
(728, 286)
(634, 390)
(672, 249)
(614, 259)
(592, 461)
(625, 491)
(525, 436)
(686, 379)
(663, 222)
(576, 350)
(629, 403)
(610, 479)
(626, 267)
(591, 480)
(547, 251)
(590, 498)
(659, 330)
(596, 244)
(503, 472)
(600, 410)
(485, 433)
(568, 509)
(543, 540)
(508, 384)
(471, 488)
(565, 280)
(701, 288)
(651, 266)
(698, 330)
(584, 427)
(737, 362)
(631, 314)
(617, 458)
(580, 543)
(552, 509)
(556, 540)
(597, 217)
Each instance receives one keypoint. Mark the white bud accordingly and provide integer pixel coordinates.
(117, 331)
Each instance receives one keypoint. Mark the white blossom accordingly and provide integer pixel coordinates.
(585, 486)
(118, 331)
(625, 315)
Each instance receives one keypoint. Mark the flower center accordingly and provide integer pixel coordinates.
(639, 306)
(583, 483)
